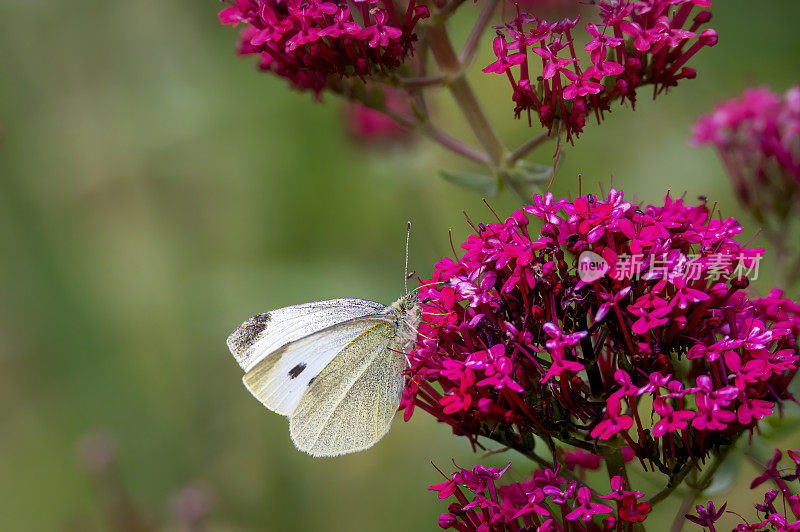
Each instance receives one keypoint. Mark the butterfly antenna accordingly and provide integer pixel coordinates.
(408, 239)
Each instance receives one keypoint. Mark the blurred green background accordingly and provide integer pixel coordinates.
(156, 190)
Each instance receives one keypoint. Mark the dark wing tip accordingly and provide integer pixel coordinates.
(248, 332)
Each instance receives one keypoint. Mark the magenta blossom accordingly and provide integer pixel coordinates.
(757, 136)
(312, 42)
(634, 44)
(758, 128)
(514, 343)
(707, 515)
(370, 127)
(773, 514)
(546, 501)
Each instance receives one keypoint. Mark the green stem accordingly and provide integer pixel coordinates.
(422, 125)
(527, 147)
(697, 488)
(673, 483)
(462, 93)
(464, 96)
(684, 508)
(416, 83)
(615, 465)
(452, 144)
(708, 474)
(471, 44)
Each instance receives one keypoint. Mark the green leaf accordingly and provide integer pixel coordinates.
(531, 173)
(485, 184)
(531, 176)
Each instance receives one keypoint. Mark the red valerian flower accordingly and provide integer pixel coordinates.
(759, 129)
(773, 515)
(634, 44)
(518, 339)
(484, 505)
(504, 61)
(310, 41)
(757, 136)
(707, 515)
(370, 127)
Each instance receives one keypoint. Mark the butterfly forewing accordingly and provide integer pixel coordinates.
(352, 403)
(280, 379)
(264, 333)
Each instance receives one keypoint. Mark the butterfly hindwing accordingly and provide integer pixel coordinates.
(281, 378)
(352, 402)
(264, 333)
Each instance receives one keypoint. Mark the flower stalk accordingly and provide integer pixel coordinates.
(462, 93)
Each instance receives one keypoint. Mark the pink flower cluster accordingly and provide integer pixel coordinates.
(758, 137)
(371, 127)
(306, 41)
(773, 515)
(514, 342)
(635, 43)
(546, 502)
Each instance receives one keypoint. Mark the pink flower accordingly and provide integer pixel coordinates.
(585, 509)
(308, 42)
(597, 46)
(614, 423)
(634, 44)
(514, 343)
(671, 420)
(707, 516)
(558, 339)
(756, 136)
(581, 85)
(618, 491)
(373, 128)
(560, 367)
(504, 61)
(380, 33)
(446, 488)
(343, 25)
(496, 366)
(482, 504)
(753, 409)
(710, 415)
(546, 207)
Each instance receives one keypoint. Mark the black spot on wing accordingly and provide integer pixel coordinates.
(248, 333)
(312, 380)
(297, 370)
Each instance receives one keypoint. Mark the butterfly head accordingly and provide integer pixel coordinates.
(407, 314)
(408, 301)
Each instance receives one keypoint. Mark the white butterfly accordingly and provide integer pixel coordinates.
(334, 368)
